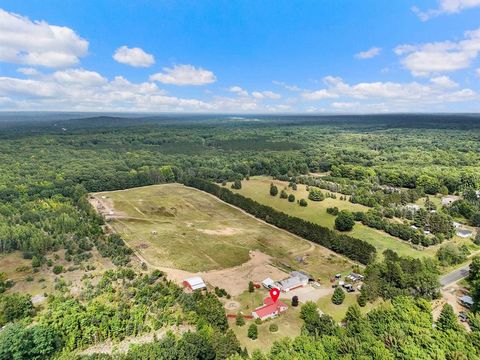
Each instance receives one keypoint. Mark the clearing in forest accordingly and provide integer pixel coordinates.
(258, 189)
(186, 230)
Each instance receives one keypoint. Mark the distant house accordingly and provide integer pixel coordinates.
(449, 199)
(268, 283)
(456, 225)
(466, 301)
(194, 283)
(296, 280)
(270, 309)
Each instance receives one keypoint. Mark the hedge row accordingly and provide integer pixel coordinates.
(353, 248)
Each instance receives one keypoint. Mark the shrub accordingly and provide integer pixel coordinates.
(291, 198)
(332, 211)
(239, 321)
(303, 202)
(315, 194)
(283, 194)
(273, 190)
(295, 301)
(237, 185)
(338, 296)
(344, 221)
(251, 287)
(252, 332)
(273, 328)
(57, 269)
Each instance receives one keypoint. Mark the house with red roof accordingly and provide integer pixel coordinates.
(270, 309)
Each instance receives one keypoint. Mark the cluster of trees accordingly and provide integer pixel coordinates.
(468, 207)
(315, 194)
(451, 254)
(351, 247)
(401, 276)
(403, 330)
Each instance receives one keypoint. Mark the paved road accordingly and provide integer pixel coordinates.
(455, 275)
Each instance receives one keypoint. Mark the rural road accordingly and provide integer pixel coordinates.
(455, 275)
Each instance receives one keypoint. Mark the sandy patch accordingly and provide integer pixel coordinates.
(307, 293)
(228, 231)
(234, 280)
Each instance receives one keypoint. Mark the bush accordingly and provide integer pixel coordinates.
(303, 202)
(15, 307)
(273, 328)
(273, 190)
(237, 185)
(291, 198)
(315, 194)
(252, 332)
(57, 269)
(295, 301)
(332, 211)
(362, 299)
(283, 194)
(251, 287)
(239, 321)
(338, 296)
(344, 221)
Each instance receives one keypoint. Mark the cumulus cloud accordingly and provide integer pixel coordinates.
(79, 89)
(368, 54)
(184, 75)
(446, 56)
(133, 56)
(238, 90)
(28, 71)
(266, 95)
(446, 7)
(23, 41)
(438, 91)
(287, 86)
(444, 81)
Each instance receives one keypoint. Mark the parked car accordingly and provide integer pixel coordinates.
(463, 316)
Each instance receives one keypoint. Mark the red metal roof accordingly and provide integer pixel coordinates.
(270, 308)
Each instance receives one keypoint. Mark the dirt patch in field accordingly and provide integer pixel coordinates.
(234, 280)
(228, 231)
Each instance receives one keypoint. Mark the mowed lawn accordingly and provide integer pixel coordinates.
(179, 227)
(258, 189)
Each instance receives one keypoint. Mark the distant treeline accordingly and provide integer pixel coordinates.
(353, 248)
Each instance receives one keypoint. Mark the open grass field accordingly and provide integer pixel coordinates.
(257, 188)
(289, 323)
(177, 227)
(337, 312)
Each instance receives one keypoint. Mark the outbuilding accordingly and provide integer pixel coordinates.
(194, 283)
(268, 283)
(466, 301)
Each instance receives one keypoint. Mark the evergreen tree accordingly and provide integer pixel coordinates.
(251, 287)
(447, 319)
(295, 301)
(273, 190)
(237, 185)
(338, 296)
(252, 332)
(362, 299)
(303, 202)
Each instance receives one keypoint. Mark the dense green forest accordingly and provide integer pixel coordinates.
(48, 167)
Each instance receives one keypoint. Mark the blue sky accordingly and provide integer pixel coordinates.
(240, 56)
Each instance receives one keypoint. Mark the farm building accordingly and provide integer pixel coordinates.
(296, 280)
(269, 310)
(268, 283)
(194, 283)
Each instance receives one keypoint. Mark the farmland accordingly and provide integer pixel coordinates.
(176, 227)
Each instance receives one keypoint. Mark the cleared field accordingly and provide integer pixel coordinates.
(337, 312)
(257, 188)
(173, 226)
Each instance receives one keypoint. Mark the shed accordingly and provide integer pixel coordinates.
(195, 283)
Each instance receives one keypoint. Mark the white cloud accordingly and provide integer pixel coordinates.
(345, 105)
(238, 90)
(184, 75)
(478, 72)
(287, 86)
(133, 56)
(319, 95)
(368, 54)
(444, 81)
(446, 7)
(29, 42)
(446, 56)
(28, 71)
(266, 94)
(83, 90)
(411, 94)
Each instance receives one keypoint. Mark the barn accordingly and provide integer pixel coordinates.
(194, 283)
(269, 310)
